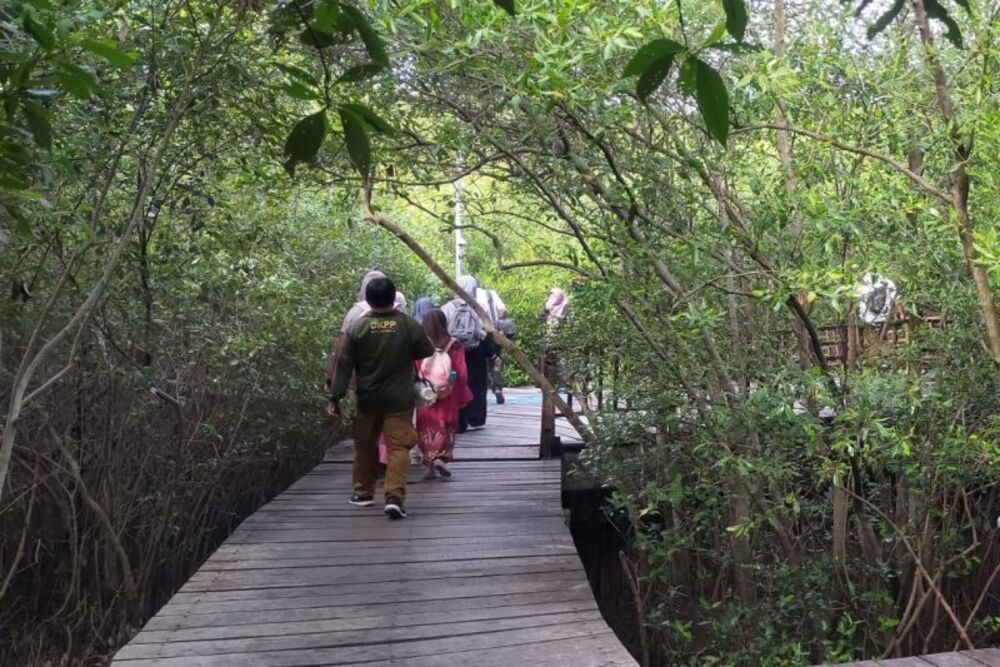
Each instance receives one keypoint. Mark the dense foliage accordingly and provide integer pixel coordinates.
(183, 223)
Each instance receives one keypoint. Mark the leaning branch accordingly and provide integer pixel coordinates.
(501, 340)
(919, 180)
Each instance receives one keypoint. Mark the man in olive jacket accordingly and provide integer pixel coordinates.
(380, 349)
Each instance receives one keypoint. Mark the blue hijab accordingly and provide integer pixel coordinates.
(423, 306)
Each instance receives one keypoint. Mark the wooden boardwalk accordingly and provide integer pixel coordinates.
(989, 657)
(483, 572)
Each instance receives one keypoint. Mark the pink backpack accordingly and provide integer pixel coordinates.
(436, 369)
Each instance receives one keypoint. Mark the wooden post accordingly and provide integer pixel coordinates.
(549, 443)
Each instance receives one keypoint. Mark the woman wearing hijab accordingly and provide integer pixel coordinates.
(423, 306)
(473, 415)
(400, 304)
(357, 311)
(438, 423)
(555, 309)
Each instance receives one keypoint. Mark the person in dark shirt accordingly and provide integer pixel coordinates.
(379, 349)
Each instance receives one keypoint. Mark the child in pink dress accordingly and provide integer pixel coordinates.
(438, 423)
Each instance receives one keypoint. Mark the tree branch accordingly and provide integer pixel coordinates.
(903, 169)
(501, 340)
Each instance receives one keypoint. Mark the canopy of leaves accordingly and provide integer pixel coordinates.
(710, 207)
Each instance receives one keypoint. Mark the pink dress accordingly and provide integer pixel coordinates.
(437, 424)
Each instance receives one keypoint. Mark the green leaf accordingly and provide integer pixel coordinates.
(22, 75)
(106, 50)
(330, 16)
(298, 73)
(359, 148)
(736, 18)
(964, 4)
(299, 91)
(717, 34)
(38, 122)
(650, 53)
(888, 17)
(316, 38)
(39, 32)
(936, 11)
(360, 73)
(78, 82)
(305, 139)
(373, 43)
(654, 75)
(15, 152)
(14, 56)
(369, 117)
(507, 6)
(713, 100)
(13, 181)
(686, 76)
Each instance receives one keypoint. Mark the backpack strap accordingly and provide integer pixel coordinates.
(493, 308)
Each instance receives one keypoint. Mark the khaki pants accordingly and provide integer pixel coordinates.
(400, 437)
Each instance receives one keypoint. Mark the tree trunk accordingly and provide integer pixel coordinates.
(960, 184)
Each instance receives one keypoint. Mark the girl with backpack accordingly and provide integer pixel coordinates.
(445, 369)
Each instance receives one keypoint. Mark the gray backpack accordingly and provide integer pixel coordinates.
(465, 326)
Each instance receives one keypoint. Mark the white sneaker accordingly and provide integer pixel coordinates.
(416, 457)
(441, 466)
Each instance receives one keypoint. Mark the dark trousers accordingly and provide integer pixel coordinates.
(477, 361)
(496, 366)
(496, 372)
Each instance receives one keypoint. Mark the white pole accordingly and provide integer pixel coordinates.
(459, 238)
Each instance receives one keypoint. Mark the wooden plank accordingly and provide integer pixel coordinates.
(593, 651)
(428, 520)
(389, 632)
(278, 536)
(362, 573)
(239, 552)
(325, 607)
(184, 603)
(269, 562)
(440, 614)
(362, 523)
(987, 656)
(952, 660)
(975, 658)
(462, 646)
